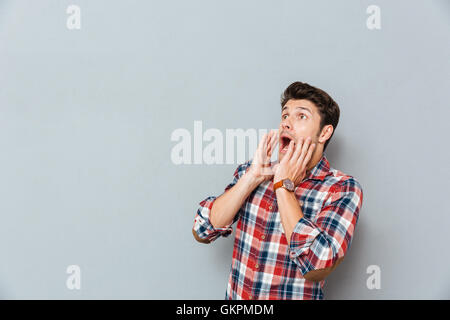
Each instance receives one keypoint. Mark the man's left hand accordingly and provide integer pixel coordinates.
(293, 165)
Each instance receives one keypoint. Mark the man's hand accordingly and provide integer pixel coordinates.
(260, 169)
(293, 165)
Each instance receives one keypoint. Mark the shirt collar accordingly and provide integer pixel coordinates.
(321, 169)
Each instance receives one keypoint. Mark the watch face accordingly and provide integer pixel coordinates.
(288, 184)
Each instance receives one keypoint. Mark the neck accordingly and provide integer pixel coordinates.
(314, 161)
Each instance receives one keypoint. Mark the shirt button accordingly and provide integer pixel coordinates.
(270, 207)
(301, 203)
(263, 237)
(250, 297)
(256, 266)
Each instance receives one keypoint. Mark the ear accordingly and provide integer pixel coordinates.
(326, 133)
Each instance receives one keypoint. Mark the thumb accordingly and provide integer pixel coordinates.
(275, 168)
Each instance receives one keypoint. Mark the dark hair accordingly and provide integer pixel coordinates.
(327, 107)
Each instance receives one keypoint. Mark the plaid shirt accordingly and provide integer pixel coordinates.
(264, 265)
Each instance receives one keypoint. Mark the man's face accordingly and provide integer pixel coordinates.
(299, 119)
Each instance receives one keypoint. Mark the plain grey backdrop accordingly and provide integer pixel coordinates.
(86, 117)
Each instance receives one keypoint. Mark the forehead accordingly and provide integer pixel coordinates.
(294, 104)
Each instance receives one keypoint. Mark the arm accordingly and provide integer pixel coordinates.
(227, 205)
(216, 215)
(316, 246)
(204, 230)
(291, 213)
(319, 243)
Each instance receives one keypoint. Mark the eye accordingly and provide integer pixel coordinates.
(283, 116)
(302, 114)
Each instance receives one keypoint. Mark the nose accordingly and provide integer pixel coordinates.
(285, 124)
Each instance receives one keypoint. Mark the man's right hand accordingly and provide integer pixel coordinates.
(261, 168)
(226, 206)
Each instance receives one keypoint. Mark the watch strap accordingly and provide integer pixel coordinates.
(278, 185)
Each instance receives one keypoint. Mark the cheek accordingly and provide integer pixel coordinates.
(304, 131)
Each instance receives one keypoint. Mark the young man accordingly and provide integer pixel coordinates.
(296, 217)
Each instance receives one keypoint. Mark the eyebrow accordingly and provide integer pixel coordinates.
(304, 108)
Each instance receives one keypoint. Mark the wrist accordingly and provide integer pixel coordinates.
(282, 191)
(251, 180)
(277, 179)
(285, 184)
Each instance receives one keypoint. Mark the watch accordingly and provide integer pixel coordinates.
(285, 183)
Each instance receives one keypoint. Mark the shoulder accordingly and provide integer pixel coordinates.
(342, 185)
(340, 179)
(242, 168)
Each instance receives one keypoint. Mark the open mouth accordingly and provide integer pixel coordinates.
(284, 143)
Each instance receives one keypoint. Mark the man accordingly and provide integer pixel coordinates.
(295, 218)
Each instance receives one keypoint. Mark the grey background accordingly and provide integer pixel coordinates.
(86, 118)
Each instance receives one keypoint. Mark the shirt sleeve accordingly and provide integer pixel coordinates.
(202, 223)
(318, 243)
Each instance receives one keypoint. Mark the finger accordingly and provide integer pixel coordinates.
(272, 143)
(269, 145)
(289, 151)
(266, 163)
(267, 171)
(298, 149)
(262, 141)
(267, 150)
(259, 150)
(269, 140)
(273, 146)
(277, 137)
(275, 168)
(303, 150)
(273, 139)
(309, 154)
